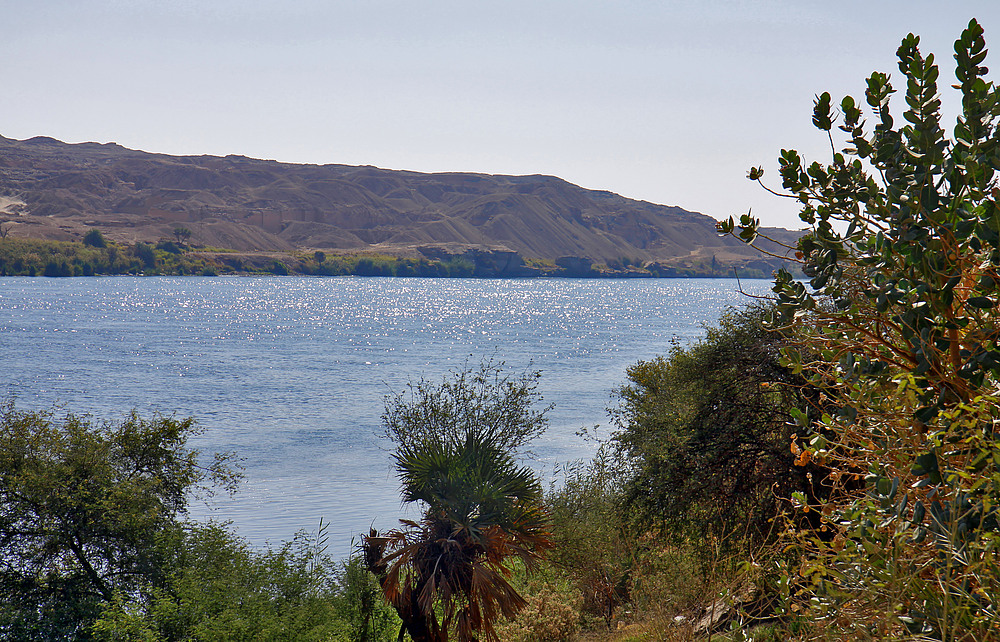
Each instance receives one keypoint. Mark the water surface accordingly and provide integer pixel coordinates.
(291, 372)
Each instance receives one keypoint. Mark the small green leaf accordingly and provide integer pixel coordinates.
(821, 112)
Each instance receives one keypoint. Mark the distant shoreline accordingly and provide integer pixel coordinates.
(36, 257)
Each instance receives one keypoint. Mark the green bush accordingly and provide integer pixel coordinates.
(704, 433)
(360, 604)
(145, 253)
(553, 611)
(219, 588)
(622, 573)
(94, 238)
(459, 266)
(593, 543)
(374, 267)
(169, 246)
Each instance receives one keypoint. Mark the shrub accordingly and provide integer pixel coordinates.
(144, 252)
(592, 542)
(373, 267)
(704, 433)
(169, 246)
(459, 266)
(94, 238)
(219, 588)
(552, 613)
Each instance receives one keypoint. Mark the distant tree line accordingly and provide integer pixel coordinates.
(96, 255)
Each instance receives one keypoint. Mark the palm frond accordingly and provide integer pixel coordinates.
(482, 509)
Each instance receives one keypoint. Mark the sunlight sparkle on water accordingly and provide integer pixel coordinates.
(291, 372)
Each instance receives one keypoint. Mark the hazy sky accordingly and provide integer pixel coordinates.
(666, 101)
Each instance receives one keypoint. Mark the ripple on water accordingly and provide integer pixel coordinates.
(291, 372)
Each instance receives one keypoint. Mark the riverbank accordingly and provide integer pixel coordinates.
(34, 257)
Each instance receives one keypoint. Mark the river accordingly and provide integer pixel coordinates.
(291, 372)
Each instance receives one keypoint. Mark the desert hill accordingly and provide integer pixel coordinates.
(54, 190)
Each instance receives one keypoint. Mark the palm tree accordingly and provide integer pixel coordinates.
(182, 234)
(482, 510)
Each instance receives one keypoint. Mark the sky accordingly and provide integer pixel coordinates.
(664, 101)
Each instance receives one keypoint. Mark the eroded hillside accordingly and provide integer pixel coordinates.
(54, 190)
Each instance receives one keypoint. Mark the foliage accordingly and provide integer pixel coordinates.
(30, 257)
(898, 326)
(486, 402)
(704, 433)
(459, 266)
(474, 485)
(145, 253)
(83, 507)
(182, 234)
(219, 588)
(448, 574)
(94, 238)
(33, 257)
(635, 579)
(369, 618)
(27, 257)
(552, 612)
(372, 267)
(593, 543)
(93, 545)
(677, 505)
(169, 247)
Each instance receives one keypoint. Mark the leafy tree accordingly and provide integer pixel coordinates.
(898, 325)
(704, 433)
(145, 253)
(448, 573)
(52, 268)
(83, 508)
(169, 246)
(94, 238)
(360, 604)
(113, 258)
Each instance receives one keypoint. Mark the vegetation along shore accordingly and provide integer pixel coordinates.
(95, 255)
